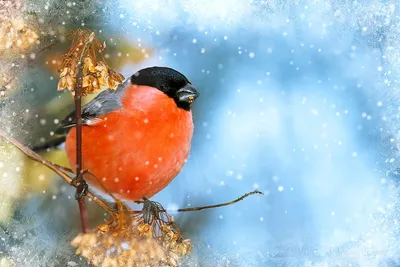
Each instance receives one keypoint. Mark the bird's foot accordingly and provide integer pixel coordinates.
(150, 210)
(82, 188)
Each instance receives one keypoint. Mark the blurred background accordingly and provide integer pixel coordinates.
(299, 99)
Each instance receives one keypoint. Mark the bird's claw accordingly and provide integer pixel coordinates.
(150, 210)
(82, 188)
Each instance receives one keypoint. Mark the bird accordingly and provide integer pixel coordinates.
(135, 139)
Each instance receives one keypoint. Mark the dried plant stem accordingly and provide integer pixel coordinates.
(222, 204)
(61, 171)
(204, 207)
(78, 118)
(54, 167)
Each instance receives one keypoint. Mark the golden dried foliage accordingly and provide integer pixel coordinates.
(16, 36)
(95, 73)
(129, 239)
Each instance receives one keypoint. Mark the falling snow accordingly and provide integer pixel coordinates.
(298, 99)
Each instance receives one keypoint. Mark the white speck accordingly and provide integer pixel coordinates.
(32, 56)
(54, 197)
(56, 121)
(159, 158)
(275, 178)
(252, 55)
(229, 173)
(379, 104)
(268, 73)
(239, 177)
(255, 186)
(379, 68)
(116, 179)
(51, 133)
(72, 264)
(222, 183)
(280, 188)
(203, 50)
(269, 50)
(147, 162)
(194, 41)
(392, 160)
(41, 177)
(225, 37)
(17, 169)
(354, 154)
(364, 114)
(383, 181)
(146, 120)
(122, 16)
(314, 111)
(155, 166)
(42, 121)
(136, 178)
(221, 217)
(261, 219)
(333, 213)
(1, 164)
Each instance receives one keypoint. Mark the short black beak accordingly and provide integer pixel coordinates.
(187, 94)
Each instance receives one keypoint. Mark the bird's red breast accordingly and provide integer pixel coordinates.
(138, 150)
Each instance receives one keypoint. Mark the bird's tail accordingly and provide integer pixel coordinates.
(49, 144)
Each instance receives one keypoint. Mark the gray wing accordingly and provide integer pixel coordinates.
(105, 102)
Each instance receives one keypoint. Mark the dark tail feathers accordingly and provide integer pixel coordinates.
(49, 145)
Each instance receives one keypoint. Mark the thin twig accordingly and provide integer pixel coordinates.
(54, 167)
(222, 204)
(203, 207)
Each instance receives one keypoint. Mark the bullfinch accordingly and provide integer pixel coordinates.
(135, 139)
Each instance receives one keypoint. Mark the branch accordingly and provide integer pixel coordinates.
(61, 171)
(80, 182)
(196, 208)
(55, 168)
(222, 204)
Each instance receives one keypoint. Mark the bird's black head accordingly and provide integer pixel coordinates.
(169, 81)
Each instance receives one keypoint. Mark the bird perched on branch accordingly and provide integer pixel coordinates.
(136, 139)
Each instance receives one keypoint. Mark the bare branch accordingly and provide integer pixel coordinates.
(54, 167)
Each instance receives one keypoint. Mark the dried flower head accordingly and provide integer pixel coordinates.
(16, 36)
(134, 239)
(93, 74)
